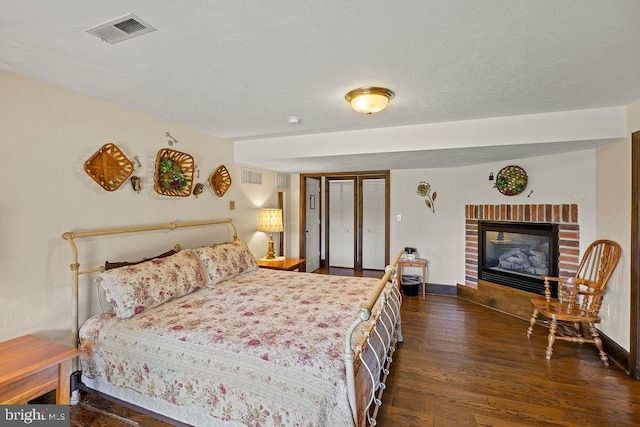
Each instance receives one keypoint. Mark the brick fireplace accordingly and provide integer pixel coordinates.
(565, 216)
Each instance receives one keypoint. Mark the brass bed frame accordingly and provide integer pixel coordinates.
(385, 330)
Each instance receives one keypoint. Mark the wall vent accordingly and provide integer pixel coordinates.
(283, 181)
(251, 177)
(121, 29)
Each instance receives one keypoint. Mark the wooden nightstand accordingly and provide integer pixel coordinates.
(289, 264)
(420, 263)
(32, 366)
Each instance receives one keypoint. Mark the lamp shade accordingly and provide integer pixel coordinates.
(270, 221)
(369, 99)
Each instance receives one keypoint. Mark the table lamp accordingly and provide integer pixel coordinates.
(270, 222)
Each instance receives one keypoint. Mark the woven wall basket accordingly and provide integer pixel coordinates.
(174, 173)
(220, 181)
(109, 167)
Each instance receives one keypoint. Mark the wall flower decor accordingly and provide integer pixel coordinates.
(423, 189)
(170, 175)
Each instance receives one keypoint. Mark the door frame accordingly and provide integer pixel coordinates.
(358, 176)
(281, 205)
(634, 329)
(304, 226)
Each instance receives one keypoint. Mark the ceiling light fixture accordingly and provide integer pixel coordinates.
(369, 99)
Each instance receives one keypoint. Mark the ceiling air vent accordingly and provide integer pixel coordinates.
(121, 29)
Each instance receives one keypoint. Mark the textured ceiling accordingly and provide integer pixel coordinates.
(237, 70)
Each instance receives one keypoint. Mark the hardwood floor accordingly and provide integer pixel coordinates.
(93, 411)
(462, 364)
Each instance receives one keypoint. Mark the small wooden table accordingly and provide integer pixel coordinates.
(414, 263)
(32, 366)
(289, 264)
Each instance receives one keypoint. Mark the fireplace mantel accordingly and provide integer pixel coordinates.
(565, 215)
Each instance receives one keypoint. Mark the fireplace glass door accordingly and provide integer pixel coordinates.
(517, 254)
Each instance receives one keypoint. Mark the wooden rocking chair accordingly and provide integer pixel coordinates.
(579, 298)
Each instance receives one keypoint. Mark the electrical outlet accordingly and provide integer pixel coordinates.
(232, 205)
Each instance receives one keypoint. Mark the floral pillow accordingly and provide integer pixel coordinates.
(135, 288)
(226, 261)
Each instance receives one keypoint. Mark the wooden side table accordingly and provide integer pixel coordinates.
(32, 366)
(289, 264)
(420, 263)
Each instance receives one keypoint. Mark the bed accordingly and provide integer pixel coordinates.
(202, 336)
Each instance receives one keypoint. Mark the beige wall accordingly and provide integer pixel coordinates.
(613, 212)
(47, 133)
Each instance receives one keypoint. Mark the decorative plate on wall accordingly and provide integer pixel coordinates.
(109, 167)
(220, 181)
(174, 173)
(511, 180)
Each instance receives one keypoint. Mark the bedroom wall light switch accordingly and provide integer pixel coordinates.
(232, 204)
(398, 218)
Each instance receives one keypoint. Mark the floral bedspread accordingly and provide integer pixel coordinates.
(263, 349)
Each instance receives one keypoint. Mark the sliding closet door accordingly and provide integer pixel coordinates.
(341, 223)
(373, 224)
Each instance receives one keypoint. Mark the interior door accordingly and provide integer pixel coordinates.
(341, 223)
(373, 224)
(312, 218)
